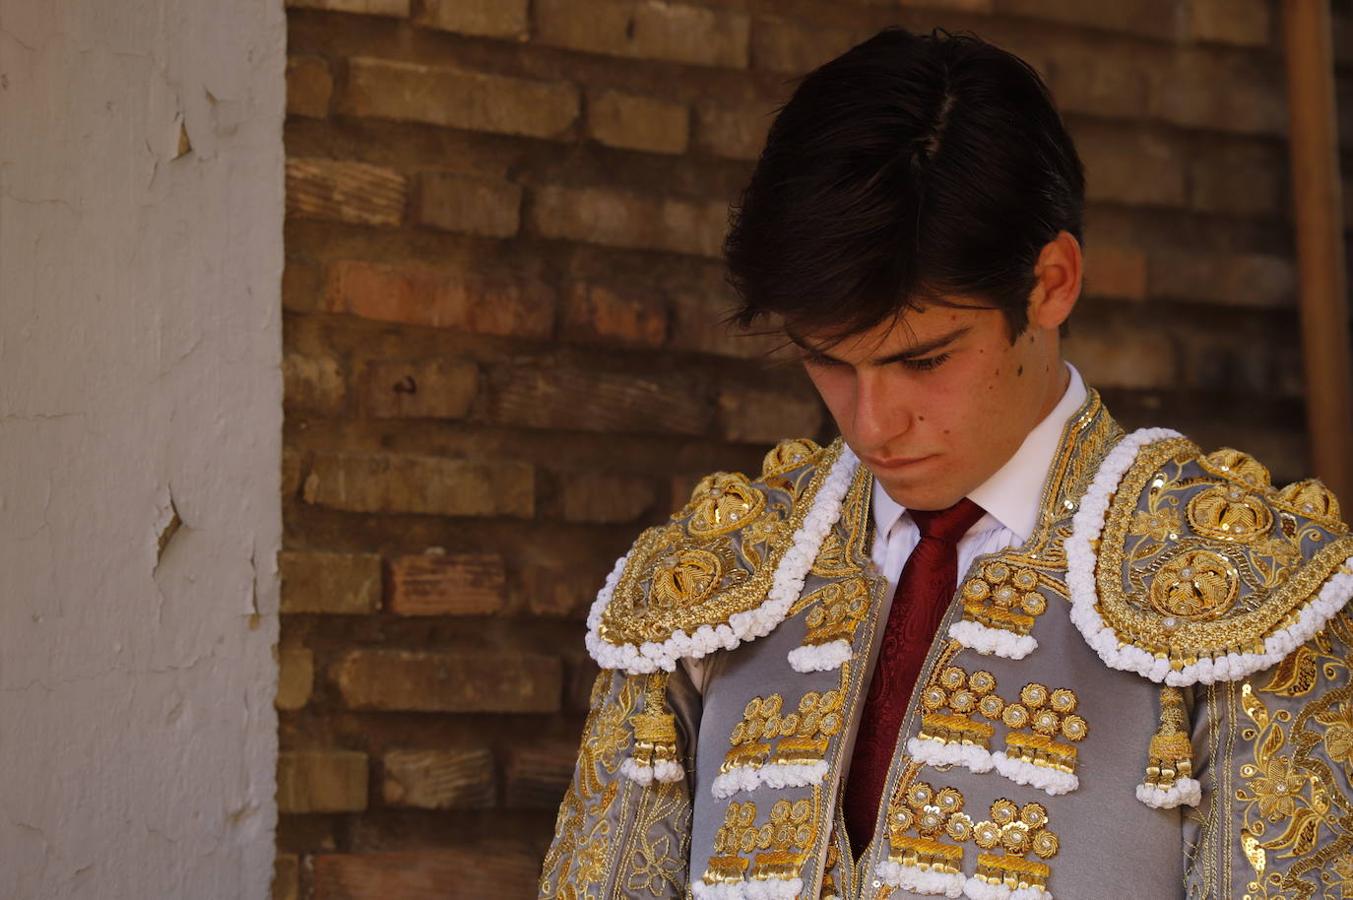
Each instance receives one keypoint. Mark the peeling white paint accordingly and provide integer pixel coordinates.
(140, 350)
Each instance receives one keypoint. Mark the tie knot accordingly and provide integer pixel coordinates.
(947, 524)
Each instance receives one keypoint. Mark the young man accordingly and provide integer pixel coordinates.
(985, 643)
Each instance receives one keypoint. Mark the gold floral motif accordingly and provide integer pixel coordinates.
(1197, 585)
(1236, 466)
(840, 608)
(1312, 499)
(1004, 596)
(1048, 715)
(915, 830)
(691, 592)
(962, 695)
(844, 544)
(771, 734)
(777, 848)
(1017, 831)
(1296, 817)
(1157, 524)
(787, 455)
(1229, 513)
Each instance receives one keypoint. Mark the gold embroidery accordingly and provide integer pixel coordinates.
(1312, 499)
(930, 814)
(841, 607)
(1018, 831)
(783, 840)
(787, 455)
(1004, 597)
(844, 544)
(1048, 716)
(1236, 594)
(963, 695)
(1229, 513)
(691, 591)
(797, 737)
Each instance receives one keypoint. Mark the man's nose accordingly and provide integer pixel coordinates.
(880, 414)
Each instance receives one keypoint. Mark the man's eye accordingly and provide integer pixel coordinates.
(814, 359)
(927, 363)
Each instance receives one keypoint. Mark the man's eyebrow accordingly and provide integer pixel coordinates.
(910, 353)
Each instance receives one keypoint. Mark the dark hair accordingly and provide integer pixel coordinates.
(909, 169)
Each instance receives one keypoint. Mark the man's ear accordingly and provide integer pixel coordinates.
(1057, 281)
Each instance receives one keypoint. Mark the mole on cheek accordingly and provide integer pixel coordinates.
(1020, 372)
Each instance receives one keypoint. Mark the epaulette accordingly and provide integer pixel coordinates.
(1192, 568)
(726, 567)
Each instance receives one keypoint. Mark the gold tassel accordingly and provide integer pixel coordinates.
(655, 734)
(1169, 769)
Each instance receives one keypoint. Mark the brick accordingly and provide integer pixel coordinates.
(344, 191)
(595, 312)
(439, 779)
(296, 677)
(302, 286)
(1238, 179)
(539, 774)
(568, 397)
(447, 584)
(732, 131)
(480, 18)
(313, 384)
(1238, 93)
(782, 45)
(603, 497)
(1240, 365)
(339, 583)
(616, 218)
(563, 592)
(699, 324)
(397, 8)
(1131, 167)
(647, 29)
(756, 416)
(429, 485)
(638, 123)
(450, 682)
(474, 101)
(1234, 279)
(1113, 81)
(291, 472)
(310, 86)
(286, 877)
(1118, 272)
(439, 388)
(1245, 23)
(468, 205)
(321, 781)
(1160, 19)
(1122, 356)
(501, 303)
(466, 873)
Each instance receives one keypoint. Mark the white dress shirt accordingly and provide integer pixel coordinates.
(1010, 498)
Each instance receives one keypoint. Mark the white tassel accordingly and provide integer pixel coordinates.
(920, 881)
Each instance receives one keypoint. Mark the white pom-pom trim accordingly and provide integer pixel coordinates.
(919, 881)
(1088, 525)
(819, 657)
(759, 889)
(1184, 792)
(934, 752)
(774, 775)
(981, 890)
(1050, 781)
(786, 584)
(992, 641)
(662, 770)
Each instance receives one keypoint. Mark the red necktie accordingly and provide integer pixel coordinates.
(928, 582)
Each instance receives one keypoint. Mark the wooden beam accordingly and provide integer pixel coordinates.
(1318, 217)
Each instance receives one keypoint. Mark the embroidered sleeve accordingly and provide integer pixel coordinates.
(1276, 817)
(615, 835)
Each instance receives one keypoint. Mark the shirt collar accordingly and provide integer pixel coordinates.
(1010, 496)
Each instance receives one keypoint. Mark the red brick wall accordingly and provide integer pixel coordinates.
(503, 354)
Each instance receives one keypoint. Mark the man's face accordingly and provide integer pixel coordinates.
(937, 401)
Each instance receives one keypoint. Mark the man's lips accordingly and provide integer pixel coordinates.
(895, 462)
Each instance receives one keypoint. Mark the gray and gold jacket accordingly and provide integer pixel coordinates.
(1149, 698)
